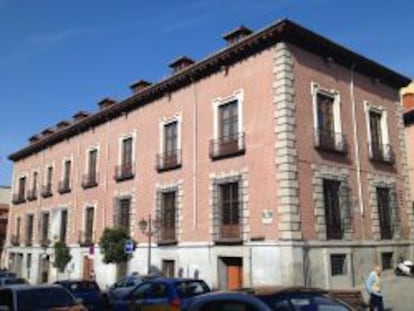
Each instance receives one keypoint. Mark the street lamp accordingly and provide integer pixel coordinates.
(149, 227)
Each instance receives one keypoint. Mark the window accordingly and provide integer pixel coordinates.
(47, 188)
(87, 235)
(29, 229)
(229, 209)
(386, 259)
(327, 120)
(378, 138)
(21, 191)
(338, 264)
(64, 185)
(228, 137)
(332, 209)
(32, 193)
(168, 218)
(122, 213)
(44, 238)
(125, 170)
(63, 225)
(15, 240)
(90, 179)
(384, 211)
(170, 158)
(168, 268)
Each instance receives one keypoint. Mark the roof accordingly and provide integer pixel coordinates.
(271, 290)
(283, 30)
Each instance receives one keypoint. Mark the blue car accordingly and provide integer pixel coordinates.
(86, 290)
(158, 294)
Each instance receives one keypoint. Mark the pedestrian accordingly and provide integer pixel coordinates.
(374, 288)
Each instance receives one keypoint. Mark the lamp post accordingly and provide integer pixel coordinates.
(149, 227)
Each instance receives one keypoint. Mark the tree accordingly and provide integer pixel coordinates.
(62, 255)
(112, 245)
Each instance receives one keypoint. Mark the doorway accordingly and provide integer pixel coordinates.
(87, 268)
(230, 273)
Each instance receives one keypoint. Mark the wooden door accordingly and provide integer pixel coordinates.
(87, 267)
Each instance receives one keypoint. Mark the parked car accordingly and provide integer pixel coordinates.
(86, 290)
(292, 298)
(38, 298)
(4, 281)
(225, 301)
(124, 285)
(5, 273)
(162, 294)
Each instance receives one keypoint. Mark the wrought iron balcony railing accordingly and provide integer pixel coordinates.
(64, 186)
(31, 194)
(330, 141)
(124, 171)
(86, 238)
(227, 146)
(15, 240)
(18, 198)
(169, 160)
(382, 153)
(90, 180)
(44, 241)
(46, 191)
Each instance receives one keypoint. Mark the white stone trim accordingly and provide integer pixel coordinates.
(123, 137)
(177, 117)
(335, 95)
(368, 107)
(238, 95)
(90, 148)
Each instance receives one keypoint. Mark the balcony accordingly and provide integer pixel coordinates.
(124, 171)
(227, 146)
(44, 241)
(46, 191)
(86, 238)
(330, 141)
(169, 160)
(15, 240)
(64, 186)
(32, 195)
(382, 153)
(29, 241)
(18, 198)
(90, 180)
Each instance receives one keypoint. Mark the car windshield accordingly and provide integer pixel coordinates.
(14, 281)
(43, 298)
(189, 288)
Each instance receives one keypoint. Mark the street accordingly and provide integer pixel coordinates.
(398, 292)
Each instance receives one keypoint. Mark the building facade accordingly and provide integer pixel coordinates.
(279, 159)
(5, 198)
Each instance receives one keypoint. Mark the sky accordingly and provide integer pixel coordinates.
(58, 57)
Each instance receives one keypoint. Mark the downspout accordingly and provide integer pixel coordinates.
(195, 113)
(356, 145)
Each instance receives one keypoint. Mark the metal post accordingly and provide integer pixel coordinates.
(149, 243)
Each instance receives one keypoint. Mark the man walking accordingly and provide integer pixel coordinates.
(374, 287)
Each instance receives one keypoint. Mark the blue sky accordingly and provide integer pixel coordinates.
(59, 57)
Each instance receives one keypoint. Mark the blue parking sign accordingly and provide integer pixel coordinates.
(129, 247)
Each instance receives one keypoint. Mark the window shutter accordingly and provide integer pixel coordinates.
(345, 206)
(116, 215)
(394, 208)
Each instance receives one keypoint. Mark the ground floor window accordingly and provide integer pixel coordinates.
(168, 268)
(338, 264)
(386, 260)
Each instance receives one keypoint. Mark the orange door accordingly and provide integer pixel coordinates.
(234, 277)
(87, 267)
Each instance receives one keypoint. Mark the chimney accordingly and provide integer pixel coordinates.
(80, 115)
(48, 131)
(34, 139)
(62, 124)
(106, 102)
(138, 86)
(180, 63)
(237, 35)
(408, 96)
